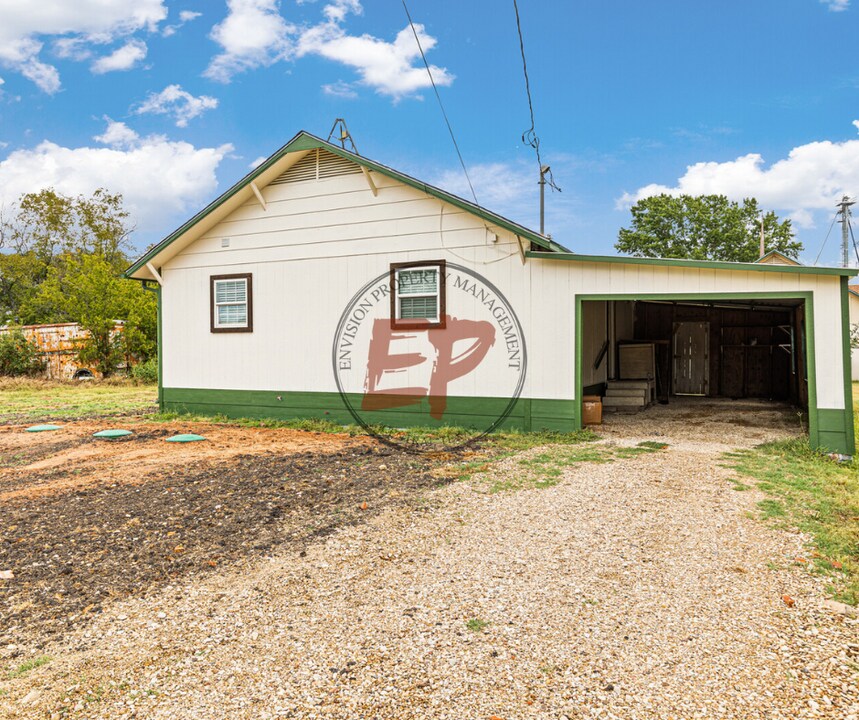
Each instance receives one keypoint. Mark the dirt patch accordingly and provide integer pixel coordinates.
(709, 421)
(34, 464)
(118, 519)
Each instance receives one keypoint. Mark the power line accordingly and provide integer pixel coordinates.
(441, 104)
(853, 237)
(529, 137)
(831, 225)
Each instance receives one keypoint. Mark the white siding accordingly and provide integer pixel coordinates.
(320, 241)
(637, 280)
(307, 265)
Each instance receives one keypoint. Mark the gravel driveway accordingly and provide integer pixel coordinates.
(637, 588)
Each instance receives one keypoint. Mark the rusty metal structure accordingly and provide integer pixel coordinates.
(58, 345)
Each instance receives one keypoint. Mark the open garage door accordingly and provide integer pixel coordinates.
(743, 348)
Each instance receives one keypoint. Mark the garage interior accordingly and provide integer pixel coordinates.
(639, 352)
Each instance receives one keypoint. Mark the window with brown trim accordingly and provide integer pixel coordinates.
(231, 303)
(418, 298)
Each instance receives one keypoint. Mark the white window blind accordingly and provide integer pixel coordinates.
(418, 294)
(231, 303)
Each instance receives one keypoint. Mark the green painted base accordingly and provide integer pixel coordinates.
(479, 412)
(834, 432)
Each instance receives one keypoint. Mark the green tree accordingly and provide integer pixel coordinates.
(704, 227)
(44, 229)
(90, 292)
(20, 276)
(18, 354)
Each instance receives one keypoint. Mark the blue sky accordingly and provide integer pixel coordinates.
(171, 102)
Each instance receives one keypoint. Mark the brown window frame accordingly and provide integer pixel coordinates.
(412, 323)
(235, 276)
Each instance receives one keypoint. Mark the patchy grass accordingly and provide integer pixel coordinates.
(319, 425)
(652, 445)
(546, 468)
(25, 400)
(424, 437)
(477, 625)
(815, 494)
(28, 665)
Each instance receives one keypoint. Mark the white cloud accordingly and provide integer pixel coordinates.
(509, 189)
(836, 5)
(85, 21)
(812, 177)
(340, 89)
(259, 161)
(157, 177)
(72, 48)
(496, 184)
(117, 135)
(44, 76)
(123, 58)
(185, 16)
(856, 124)
(175, 101)
(253, 34)
(339, 9)
(385, 66)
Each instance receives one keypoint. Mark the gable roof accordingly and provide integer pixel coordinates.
(277, 164)
(774, 257)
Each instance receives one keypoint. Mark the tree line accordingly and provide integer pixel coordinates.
(61, 260)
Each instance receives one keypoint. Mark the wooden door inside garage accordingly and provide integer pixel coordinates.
(753, 349)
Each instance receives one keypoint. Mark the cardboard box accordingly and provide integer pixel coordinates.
(591, 410)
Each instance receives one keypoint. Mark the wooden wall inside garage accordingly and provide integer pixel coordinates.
(747, 357)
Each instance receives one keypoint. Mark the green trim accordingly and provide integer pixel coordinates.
(478, 412)
(160, 350)
(828, 429)
(811, 368)
(706, 264)
(849, 433)
(805, 295)
(305, 141)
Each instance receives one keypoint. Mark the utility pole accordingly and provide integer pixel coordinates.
(544, 170)
(845, 204)
(763, 244)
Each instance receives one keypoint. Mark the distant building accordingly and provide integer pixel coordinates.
(58, 345)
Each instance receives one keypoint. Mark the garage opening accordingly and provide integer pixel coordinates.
(637, 353)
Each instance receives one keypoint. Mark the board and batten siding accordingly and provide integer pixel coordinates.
(319, 241)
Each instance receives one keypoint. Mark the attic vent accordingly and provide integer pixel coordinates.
(318, 164)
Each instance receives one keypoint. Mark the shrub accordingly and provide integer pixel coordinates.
(146, 372)
(19, 355)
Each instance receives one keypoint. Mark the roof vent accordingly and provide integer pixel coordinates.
(318, 164)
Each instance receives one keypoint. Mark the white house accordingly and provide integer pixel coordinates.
(324, 284)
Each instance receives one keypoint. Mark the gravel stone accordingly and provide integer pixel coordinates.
(641, 588)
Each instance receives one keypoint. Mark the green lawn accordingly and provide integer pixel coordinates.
(25, 400)
(815, 494)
